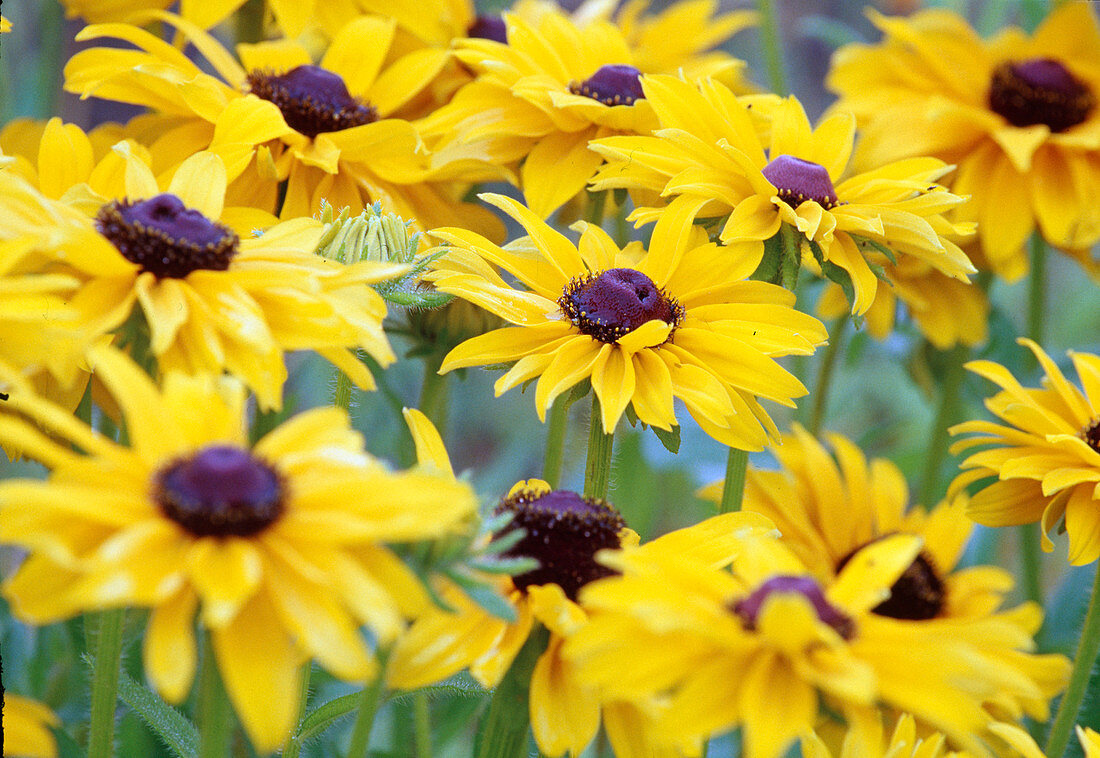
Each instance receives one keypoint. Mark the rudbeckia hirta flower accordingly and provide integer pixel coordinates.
(678, 321)
(708, 147)
(213, 297)
(277, 547)
(768, 647)
(1019, 115)
(831, 507)
(331, 130)
(564, 533)
(541, 96)
(1044, 455)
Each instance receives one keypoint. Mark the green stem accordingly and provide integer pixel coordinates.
(434, 394)
(593, 212)
(945, 415)
(597, 467)
(1087, 650)
(368, 709)
(215, 714)
(341, 396)
(422, 719)
(504, 731)
(773, 51)
(1030, 555)
(250, 21)
(825, 376)
(1037, 285)
(105, 670)
(733, 490)
(555, 441)
(293, 745)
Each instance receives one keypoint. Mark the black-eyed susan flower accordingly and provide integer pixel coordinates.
(563, 532)
(27, 728)
(708, 147)
(214, 298)
(768, 647)
(5, 25)
(678, 321)
(1043, 454)
(1018, 114)
(541, 96)
(331, 130)
(277, 548)
(830, 507)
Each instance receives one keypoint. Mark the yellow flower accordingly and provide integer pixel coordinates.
(565, 531)
(679, 321)
(540, 97)
(709, 147)
(830, 508)
(767, 646)
(1018, 115)
(26, 728)
(5, 25)
(1045, 457)
(332, 131)
(262, 542)
(214, 298)
(1090, 741)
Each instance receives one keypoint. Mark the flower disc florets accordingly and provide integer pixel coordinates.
(748, 609)
(919, 593)
(1091, 435)
(487, 26)
(797, 181)
(563, 532)
(220, 491)
(615, 302)
(313, 100)
(166, 238)
(613, 84)
(1039, 91)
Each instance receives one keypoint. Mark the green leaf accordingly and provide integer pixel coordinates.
(671, 439)
(768, 270)
(864, 242)
(172, 727)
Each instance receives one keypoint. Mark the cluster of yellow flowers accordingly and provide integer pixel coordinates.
(291, 192)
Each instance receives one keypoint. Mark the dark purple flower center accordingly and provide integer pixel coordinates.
(313, 100)
(1039, 91)
(614, 84)
(1091, 435)
(797, 181)
(563, 532)
(487, 26)
(748, 609)
(616, 302)
(165, 237)
(918, 595)
(220, 491)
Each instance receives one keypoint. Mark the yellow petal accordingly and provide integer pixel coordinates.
(200, 183)
(429, 445)
(169, 650)
(260, 668)
(556, 169)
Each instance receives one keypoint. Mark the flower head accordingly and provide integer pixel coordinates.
(830, 507)
(766, 645)
(262, 542)
(709, 148)
(334, 129)
(214, 295)
(540, 97)
(678, 321)
(1044, 455)
(1020, 116)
